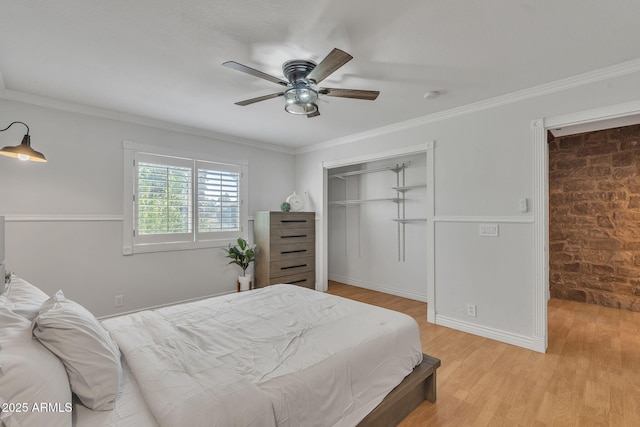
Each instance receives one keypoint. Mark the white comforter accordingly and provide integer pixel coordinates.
(282, 355)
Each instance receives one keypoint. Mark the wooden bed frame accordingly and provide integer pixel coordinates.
(418, 386)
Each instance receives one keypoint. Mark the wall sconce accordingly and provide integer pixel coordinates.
(24, 150)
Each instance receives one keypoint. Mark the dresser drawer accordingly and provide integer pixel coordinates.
(291, 267)
(307, 280)
(292, 251)
(282, 236)
(291, 220)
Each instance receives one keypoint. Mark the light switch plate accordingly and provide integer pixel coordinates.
(488, 230)
(523, 205)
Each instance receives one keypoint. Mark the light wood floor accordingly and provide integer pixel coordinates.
(590, 375)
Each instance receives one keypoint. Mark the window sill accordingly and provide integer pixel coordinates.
(176, 246)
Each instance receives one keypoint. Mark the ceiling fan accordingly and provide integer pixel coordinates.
(302, 76)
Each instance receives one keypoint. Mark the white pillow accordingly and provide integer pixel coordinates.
(23, 298)
(33, 382)
(91, 357)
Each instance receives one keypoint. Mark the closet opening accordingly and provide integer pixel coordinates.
(376, 215)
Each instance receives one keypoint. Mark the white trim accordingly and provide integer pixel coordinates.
(169, 304)
(605, 113)
(501, 219)
(128, 189)
(540, 233)
(56, 104)
(62, 218)
(322, 237)
(396, 152)
(378, 287)
(617, 70)
(431, 231)
(147, 248)
(488, 332)
(67, 218)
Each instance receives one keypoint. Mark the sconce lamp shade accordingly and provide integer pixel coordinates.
(24, 150)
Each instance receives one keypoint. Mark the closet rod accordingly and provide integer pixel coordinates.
(394, 168)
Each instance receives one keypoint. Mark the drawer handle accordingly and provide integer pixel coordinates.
(297, 281)
(293, 252)
(293, 236)
(293, 220)
(293, 266)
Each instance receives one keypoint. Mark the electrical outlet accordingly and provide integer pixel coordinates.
(471, 310)
(119, 301)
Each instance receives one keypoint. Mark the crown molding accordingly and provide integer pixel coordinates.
(56, 104)
(610, 112)
(617, 70)
(613, 71)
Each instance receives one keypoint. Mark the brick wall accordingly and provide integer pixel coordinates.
(594, 218)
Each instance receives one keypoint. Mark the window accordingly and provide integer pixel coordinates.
(181, 202)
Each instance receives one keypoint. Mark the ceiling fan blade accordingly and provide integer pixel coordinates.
(258, 99)
(369, 95)
(334, 60)
(314, 114)
(243, 68)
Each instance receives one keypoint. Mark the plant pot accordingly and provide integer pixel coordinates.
(244, 283)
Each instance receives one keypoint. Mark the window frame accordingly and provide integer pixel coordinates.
(133, 244)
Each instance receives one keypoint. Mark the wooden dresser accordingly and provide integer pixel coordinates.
(286, 248)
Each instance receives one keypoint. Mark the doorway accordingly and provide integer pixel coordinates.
(601, 118)
(594, 217)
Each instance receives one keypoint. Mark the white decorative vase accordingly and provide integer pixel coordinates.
(245, 282)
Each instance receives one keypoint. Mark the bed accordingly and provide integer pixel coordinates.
(277, 356)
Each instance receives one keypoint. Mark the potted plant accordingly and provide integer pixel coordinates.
(243, 254)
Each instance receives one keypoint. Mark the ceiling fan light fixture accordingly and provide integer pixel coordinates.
(301, 109)
(301, 100)
(303, 76)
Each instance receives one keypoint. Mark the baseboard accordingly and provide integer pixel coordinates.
(378, 287)
(155, 307)
(495, 334)
(539, 344)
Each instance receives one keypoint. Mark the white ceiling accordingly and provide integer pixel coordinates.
(162, 59)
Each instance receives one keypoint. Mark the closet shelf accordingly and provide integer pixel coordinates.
(408, 188)
(400, 199)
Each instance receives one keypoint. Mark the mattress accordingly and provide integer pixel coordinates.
(277, 356)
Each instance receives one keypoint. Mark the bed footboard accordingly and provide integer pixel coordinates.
(418, 386)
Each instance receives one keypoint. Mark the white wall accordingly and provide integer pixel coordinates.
(483, 166)
(83, 180)
(363, 238)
